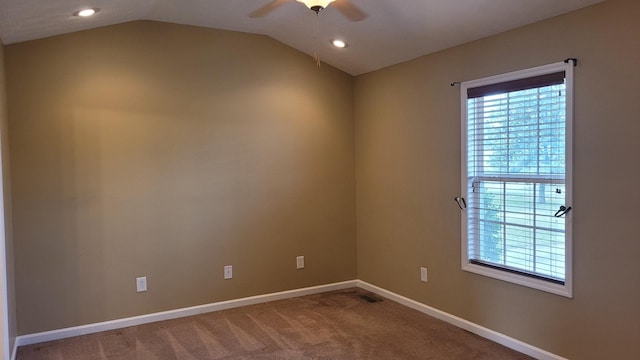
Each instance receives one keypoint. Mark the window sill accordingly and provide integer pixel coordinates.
(550, 287)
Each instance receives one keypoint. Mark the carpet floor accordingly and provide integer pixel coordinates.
(335, 325)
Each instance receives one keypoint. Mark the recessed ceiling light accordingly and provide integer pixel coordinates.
(339, 43)
(86, 12)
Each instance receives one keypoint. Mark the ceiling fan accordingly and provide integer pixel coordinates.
(348, 9)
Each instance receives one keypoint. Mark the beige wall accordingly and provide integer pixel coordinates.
(168, 151)
(408, 171)
(8, 318)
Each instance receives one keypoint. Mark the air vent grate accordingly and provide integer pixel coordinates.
(370, 299)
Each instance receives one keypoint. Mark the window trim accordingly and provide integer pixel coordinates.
(565, 289)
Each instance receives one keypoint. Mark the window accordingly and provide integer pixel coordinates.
(516, 177)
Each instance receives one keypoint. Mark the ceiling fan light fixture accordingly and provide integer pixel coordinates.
(316, 5)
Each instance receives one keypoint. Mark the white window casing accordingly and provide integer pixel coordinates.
(517, 176)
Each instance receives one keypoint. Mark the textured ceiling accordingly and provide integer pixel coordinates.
(395, 30)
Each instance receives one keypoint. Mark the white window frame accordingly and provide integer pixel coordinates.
(565, 289)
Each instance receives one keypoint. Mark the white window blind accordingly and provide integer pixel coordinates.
(516, 176)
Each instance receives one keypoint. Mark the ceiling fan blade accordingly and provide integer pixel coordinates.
(267, 8)
(348, 9)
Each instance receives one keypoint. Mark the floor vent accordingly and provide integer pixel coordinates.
(370, 299)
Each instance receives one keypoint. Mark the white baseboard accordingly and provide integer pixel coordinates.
(494, 336)
(497, 337)
(174, 314)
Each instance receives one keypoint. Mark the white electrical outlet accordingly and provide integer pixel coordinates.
(228, 272)
(423, 274)
(141, 284)
(300, 262)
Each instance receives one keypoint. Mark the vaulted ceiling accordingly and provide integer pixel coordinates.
(393, 31)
